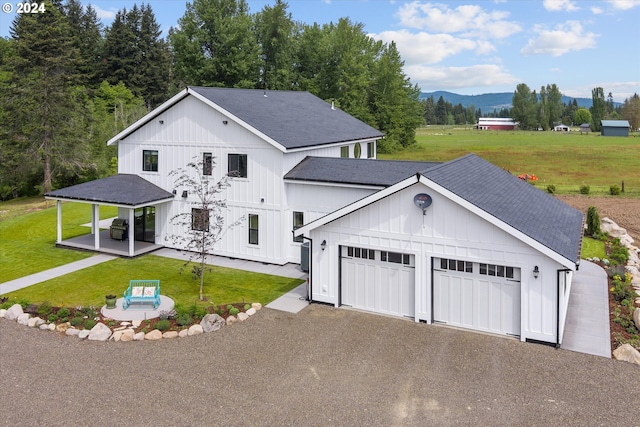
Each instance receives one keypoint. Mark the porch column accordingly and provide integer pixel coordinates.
(59, 221)
(131, 233)
(95, 226)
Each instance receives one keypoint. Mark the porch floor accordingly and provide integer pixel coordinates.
(108, 245)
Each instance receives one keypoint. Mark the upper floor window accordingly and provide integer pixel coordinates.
(344, 151)
(207, 163)
(357, 150)
(150, 160)
(238, 165)
(200, 219)
(253, 229)
(371, 152)
(298, 221)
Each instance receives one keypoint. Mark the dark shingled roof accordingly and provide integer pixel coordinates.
(355, 171)
(533, 212)
(121, 189)
(293, 119)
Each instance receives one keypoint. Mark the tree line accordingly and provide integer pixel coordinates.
(68, 84)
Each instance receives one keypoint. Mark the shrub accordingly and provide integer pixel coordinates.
(52, 318)
(623, 291)
(64, 312)
(184, 319)
(614, 190)
(229, 307)
(199, 312)
(551, 189)
(77, 321)
(619, 253)
(44, 310)
(233, 311)
(593, 221)
(247, 307)
(89, 324)
(163, 325)
(584, 189)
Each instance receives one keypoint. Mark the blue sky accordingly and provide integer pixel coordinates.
(476, 47)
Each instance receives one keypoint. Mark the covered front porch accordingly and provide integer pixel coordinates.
(136, 200)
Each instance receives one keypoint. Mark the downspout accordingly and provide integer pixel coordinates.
(309, 288)
(562, 270)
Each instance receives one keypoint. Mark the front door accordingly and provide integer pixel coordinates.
(145, 224)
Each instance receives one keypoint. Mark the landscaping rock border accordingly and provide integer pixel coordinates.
(626, 352)
(125, 331)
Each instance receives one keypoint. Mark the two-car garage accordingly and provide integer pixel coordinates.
(479, 296)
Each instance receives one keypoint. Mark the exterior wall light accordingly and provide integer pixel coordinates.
(323, 245)
(185, 194)
(536, 272)
(224, 122)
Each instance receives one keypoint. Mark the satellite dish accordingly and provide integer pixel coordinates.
(423, 201)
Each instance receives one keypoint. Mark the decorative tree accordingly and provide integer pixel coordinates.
(204, 225)
(593, 221)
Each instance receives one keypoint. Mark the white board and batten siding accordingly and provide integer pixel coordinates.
(448, 231)
(189, 129)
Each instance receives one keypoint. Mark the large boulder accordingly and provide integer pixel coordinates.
(100, 332)
(194, 330)
(627, 353)
(13, 312)
(212, 322)
(23, 319)
(636, 317)
(154, 335)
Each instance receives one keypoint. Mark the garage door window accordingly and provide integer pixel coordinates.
(497, 270)
(456, 265)
(361, 253)
(395, 257)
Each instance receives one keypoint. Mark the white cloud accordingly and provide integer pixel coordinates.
(564, 38)
(557, 5)
(624, 4)
(449, 78)
(425, 48)
(597, 10)
(104, 14)
(470, 20)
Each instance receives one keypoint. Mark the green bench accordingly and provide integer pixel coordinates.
(143, 292)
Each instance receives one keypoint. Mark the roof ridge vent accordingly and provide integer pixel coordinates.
(265, 93)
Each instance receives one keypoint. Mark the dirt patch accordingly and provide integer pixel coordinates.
(623, 211)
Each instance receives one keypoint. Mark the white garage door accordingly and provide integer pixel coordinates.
(379, 281)
(484, 297)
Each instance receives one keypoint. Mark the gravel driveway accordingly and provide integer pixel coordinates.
(320, 367)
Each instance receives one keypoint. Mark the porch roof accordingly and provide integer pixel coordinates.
(120, 190)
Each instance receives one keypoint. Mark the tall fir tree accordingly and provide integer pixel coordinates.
(598, 108)
(276, 34)
(47, 106)
(86, 30)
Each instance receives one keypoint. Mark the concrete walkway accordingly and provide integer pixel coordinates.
(32, 279)
(587, 326)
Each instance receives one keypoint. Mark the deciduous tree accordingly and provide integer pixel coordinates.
(598, 108)
(205, 224)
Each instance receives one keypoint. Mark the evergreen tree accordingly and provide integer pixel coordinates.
(215, 45)
(598, 108)
(429, 111)
(86, 30)
(48, 109)
(135, 54)
(441, 111)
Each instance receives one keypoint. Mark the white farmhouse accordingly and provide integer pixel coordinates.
(462, 243)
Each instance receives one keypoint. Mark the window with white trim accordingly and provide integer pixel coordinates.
(253, 229)
(344, 151)
(237, 165)
(361, 253)
(497, 270)
(395, 257)
(150, 160)
(456, 265)
(298, 221)
(207, 163)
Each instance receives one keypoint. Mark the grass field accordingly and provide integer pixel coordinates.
(28, 235)
(566, 160)
(89, 286)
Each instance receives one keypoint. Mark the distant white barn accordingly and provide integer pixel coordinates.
(496, 123)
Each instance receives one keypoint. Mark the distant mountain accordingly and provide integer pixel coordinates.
(488, 102)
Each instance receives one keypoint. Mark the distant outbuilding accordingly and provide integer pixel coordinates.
(561, 128)
(615, 128)
(496, 123)
(585, 128)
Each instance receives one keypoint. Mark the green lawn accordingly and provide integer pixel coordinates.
(27, 240)
(566, 160)
(593, 248)
(89, 286)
